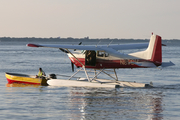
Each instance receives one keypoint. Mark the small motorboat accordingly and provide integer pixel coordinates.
(25, 79)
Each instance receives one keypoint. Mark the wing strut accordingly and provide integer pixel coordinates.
(116, 78)
(96, 74)
(75, 73)
(83, 67)
(74, 57)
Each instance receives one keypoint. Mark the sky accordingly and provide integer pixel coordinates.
(135, 19)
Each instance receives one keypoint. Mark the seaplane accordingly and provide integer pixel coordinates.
(107, 58)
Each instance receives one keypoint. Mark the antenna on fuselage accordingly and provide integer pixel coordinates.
(78, 44)
(98, 43)
(110, 43)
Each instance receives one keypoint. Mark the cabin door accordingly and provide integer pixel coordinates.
(90, 58)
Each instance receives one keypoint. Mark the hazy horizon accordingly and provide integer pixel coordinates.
(121, 19)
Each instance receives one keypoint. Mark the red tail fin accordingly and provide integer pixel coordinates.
(154, 51)
(157, 51)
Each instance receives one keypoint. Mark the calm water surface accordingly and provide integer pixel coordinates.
(71, 103)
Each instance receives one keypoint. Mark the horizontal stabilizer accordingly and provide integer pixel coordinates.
(167, 64)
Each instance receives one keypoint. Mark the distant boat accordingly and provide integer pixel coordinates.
(25, 79)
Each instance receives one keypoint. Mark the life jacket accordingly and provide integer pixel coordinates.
(40, 73)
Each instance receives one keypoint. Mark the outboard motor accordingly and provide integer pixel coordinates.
(52, 76)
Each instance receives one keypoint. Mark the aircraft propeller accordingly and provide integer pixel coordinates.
(72, 64)
(65, 51)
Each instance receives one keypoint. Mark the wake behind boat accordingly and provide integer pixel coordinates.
(25, 79)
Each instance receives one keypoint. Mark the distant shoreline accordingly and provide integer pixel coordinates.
(69, 38)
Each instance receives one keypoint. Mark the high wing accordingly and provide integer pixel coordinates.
(152, 56)
(93, 47)
(111, 49)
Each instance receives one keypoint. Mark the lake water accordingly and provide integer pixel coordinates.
(80, 103)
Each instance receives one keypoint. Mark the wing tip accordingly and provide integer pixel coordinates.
(32, 45)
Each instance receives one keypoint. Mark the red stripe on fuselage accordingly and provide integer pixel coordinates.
(100, 63)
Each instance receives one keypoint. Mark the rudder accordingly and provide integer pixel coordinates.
(154, 51)
(157, 51)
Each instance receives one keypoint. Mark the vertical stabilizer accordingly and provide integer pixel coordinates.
(154, 51)
(157, 50)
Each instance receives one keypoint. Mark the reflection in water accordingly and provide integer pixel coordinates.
(157, 108)
(85, 103)
(104, 104)
(21, 85)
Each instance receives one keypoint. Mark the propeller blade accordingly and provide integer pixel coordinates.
(72, 65)
(63, 50)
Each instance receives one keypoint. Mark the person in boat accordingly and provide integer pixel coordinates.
(41, 73)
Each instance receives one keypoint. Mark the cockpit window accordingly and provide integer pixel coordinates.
(102, 54)
(106, 54)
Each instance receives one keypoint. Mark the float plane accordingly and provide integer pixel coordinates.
(102, 58)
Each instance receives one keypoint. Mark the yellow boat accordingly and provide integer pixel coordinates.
(26, 79)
